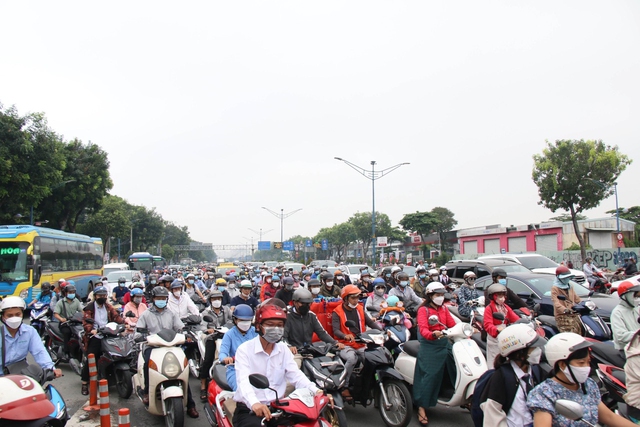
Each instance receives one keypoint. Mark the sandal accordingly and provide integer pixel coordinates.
(423, 420)
(347, 395)
(203, 395)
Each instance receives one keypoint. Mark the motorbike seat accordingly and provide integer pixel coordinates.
(219, 375)
(619, 375)
(411, 347)
(327, 365)
(608, 353)
(547, 320)
(54, 327)
(455, 312)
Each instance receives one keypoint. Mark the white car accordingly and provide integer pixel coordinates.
(354, 271)
(538, 264)
(112, 278)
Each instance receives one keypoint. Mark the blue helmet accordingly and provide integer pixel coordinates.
(243, 312)
(392, 300)
(100, 290)
(136, 292)
(378, 280)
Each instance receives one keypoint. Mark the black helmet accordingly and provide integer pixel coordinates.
(122, 279)
(326, 276)
(159, 291)
(166, 278)
(498, 272)
(68, 288)
(45, 287)
(402, 276)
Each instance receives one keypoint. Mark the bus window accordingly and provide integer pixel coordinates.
(13, 261)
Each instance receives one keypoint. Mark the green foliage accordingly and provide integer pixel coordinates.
(339, 237)
(167, 252)
(631, 214)
(438, 220)
(567, 217)
(110, 220)
(361, 224)
(575, 176)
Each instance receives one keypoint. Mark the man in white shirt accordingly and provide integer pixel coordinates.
(180, 303)
(268, 356)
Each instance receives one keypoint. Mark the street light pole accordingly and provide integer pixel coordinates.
(373, 175)
(260, 233)
(282, 216)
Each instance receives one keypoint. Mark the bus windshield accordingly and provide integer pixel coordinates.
(142, 263)
(13, 261)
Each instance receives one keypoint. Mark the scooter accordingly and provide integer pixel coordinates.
(393, 321)
(168, 375)
(592, 324)
(23, 404)
(116, 358)
(40, 316)
(377, 381)
(601, 284)
(54, 342)
(469, 361)
(220, 405)
(194, 346)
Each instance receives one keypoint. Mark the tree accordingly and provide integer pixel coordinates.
(575, 176)
(110, 220)
(31, 162)
(86, 183)
(567, 217)
(361, 223)
(423, 223)
(631, 214)
(148, 227)
(167, 252)
(444, 222)
(339, 237)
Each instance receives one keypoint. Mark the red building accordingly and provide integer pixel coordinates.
(494, 239)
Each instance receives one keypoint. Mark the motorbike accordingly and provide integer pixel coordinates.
(22, 406)
(194, 345)
(572, 411)
(393, 321)
(53, 342)
(603, 352)
(220, 405)
(601, 284)
(377, 381)
(118, 355)
(40, 315)
(329, 374)
(468, 358)
(168, 375)
(592, 324)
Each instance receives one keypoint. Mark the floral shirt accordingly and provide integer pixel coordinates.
(544, 396)
(465, 294)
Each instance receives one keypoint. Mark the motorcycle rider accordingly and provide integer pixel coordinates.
(375, 300)
(328, 289)
(466, 293)
(350, 309)
(365, 282)
(444, 278)
(240, 333)
(497, 297)
(18, 339)
(265, 355)
(127, 298)
(419, 282)
(245, 296)
(221, 314)
(137, 306)
(119, 291)
(339, 279)
(268, 289)
(314, 287)
(590, 270)
(624, 316)
(45, 295)
(180, 303)
(96, 315)
(286, 293)
(221, 285)
(499, 275)
(155, 319)
(65, 310)
(403, 291)
(190, 287)
(566, 320)
(232, 287)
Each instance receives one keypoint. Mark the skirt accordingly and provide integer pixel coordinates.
(433, 356)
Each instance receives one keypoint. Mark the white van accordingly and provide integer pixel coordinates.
(116, 266)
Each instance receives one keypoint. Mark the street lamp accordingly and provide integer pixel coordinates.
(260, 233)
(282, 216)
(615, 192)
(372, 175)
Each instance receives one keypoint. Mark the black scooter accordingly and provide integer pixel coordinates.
(54, 342)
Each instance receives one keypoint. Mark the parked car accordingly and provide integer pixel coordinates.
(536, 263)
(482, 268)
(538, 285)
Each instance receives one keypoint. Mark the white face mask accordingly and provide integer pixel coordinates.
(438, 300)
(581, 374)
(534, 356)
(268, 280)
(176, 294)
(353, 305)
(379, 292)
(216, 304)
(315, 291)
(244, 325)
(329, 284)
(14, 322)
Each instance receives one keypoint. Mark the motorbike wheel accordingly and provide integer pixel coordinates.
(335, 417)
(175, 412)
(124, 384)
(401, 411)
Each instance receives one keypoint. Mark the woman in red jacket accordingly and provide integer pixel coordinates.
(498, 295)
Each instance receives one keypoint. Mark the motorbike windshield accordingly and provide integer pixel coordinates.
(13, 261)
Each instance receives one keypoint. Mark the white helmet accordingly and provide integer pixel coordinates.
(444, 267)
(246, 283)
(435, 287)
(433, 272)
(395, 269)
(560, 346)
(516, 337)
(12, 302)
(469, 274)
(24, 389)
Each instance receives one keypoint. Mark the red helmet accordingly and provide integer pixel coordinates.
(270, 311)
(350, 290)
(563, 272)
(627, 286)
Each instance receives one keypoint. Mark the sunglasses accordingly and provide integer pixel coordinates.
(471, 279)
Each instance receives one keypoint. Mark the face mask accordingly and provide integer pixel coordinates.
(161, 303)
(105, 281)
(423, 276)
(353, 305)
(315, 291)
(216, 304)
(101, 301)
(379, 292)
(438, 300)
(565, 281)
(288, 287)
(14, 322)
(191, 281)
(176, 294)
(244, 325)
(273, 334)
(137, 300)
(329, 284)
(268, 280)
(581, 374)
(276, 284)
(232, 285)
(500, 300)
(71, 296)
(304, 309)
(534, 356)
(404, 283)
(153, 282)
(502, 281)
(121, 285)
(388, 275)
(434, 278)
(222, 288)
(339, 278)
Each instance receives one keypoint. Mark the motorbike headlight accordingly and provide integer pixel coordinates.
(589, 330)
(466, 370)
(590, 305)
(24, 294)
(170, 366)
(467, 329)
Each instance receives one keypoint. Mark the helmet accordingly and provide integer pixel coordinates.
(45, 287)
(302, 295)
(326, 276)
(469, 274)
(444, 267)
(70, 288)
(516, 337)
(350, 290)
(243, 312)
(100, 290)
(395, 269)
(402, 275)
(379, 281)
(159, 291)
(12, 302)
(498, 272)
(176, 284)
(313, 282)
(627, 286)
(221, 281)
(560, 346)
(191, 276)
(287, 281)
(215, 294)
(166, 278)
(34, 402)
(137, 285)
(392, 301)
(246, 284)
(136, 292)
(496, 288)
(122, 279)
(435, 287)
(433, 272)
(276, 278)
(338, 272)
(563, 272)
(365, 273)
(306, 273)
(420, 268)
(60, 281)
(270, 311)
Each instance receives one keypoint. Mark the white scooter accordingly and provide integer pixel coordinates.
(168, 376)
(469, 361)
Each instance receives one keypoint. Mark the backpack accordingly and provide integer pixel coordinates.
(511, 384)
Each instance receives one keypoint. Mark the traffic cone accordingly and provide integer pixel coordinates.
(93, 384)
(123, 418)
(105, 416)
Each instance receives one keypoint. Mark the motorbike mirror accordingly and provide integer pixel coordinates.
(524, 295)
(498, 316)
(591, 293)
(562, 297)
(259, 381)
(569, 409)
(208, 319)
(130, 314)
(350, 324)
(433, 320)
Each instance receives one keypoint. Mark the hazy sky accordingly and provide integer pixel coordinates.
(210, 110)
